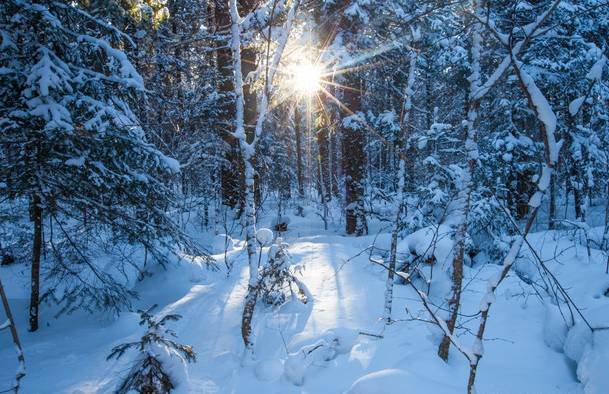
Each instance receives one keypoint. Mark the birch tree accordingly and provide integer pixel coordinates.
(401, 181)
(248, 145)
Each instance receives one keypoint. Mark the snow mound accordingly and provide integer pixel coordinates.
(554, 328)
(295, 368)
(221, 243)
(578, 338)
(264, 236)
(430, 242)
(269, 370)
(589, 350)
(342, 339)
(397, 381)
(333, 343)
(592, 368)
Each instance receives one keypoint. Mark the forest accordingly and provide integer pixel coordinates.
(304, 196)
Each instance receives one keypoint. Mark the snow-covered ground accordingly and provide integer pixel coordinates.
(528, 349)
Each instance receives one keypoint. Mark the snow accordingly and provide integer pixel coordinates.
(544, 181)
(264, 236)
(428, 242)
(554, 328)
(49, 73)
(535, 200)
(347, 301)
(172, 164)
(596, 72)
(592, 368)
(76, 161)
(578, 339)
(544, 112)
(398, 381)
(269, 370)
(130, 76)
(221, 243)
(575, 105)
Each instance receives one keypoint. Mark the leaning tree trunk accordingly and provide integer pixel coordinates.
(36, 217)
(542, 110)
(547, 119)
(10, 323)
(465, 191)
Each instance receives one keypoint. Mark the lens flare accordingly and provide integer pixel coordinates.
(306, 78)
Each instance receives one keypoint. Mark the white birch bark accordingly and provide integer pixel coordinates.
(248, 149)
(401, 178)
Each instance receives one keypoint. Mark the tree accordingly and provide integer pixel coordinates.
(72, 147)
(149, 372)
(248, 142)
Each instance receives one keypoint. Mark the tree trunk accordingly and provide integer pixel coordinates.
(578, 199)
(36, 217)
(354, 158)
(405, 127)
(522, 197)
(552, 209)
(298, 135)
(231, 172)
(323, 145)
(250, 238)
(466, 188)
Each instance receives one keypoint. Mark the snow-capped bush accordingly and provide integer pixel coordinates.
(278, 276)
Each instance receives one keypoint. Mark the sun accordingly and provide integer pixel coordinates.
(305, 78)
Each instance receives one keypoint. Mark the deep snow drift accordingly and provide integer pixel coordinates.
(335, 343)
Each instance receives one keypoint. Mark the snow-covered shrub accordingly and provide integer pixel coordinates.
(153, 370)
(277, 277)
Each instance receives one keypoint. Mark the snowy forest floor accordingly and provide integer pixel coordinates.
(523, 350)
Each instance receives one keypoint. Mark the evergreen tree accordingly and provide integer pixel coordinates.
(73, 149)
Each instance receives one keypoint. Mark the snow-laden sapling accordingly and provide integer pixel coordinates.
(157, 355)
(278, 276)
